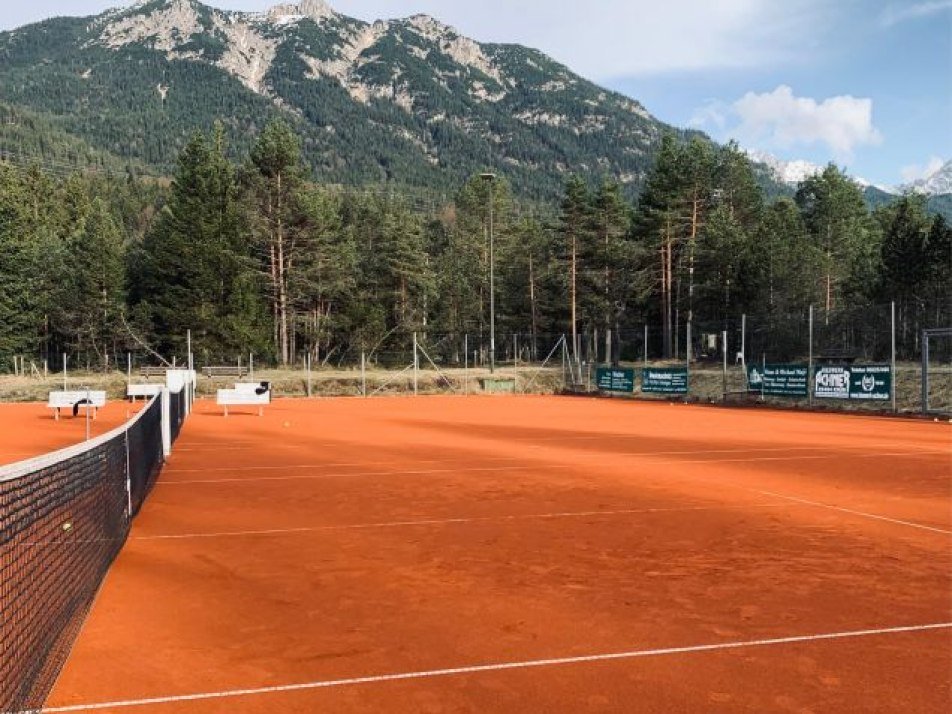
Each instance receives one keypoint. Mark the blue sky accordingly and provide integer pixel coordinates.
(864, 83)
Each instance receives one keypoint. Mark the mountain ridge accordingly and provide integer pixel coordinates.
(409, 100)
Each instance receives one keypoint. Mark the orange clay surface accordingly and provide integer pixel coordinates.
(28, 430)
(347, 539)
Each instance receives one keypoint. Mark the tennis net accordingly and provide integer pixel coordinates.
(63, 519)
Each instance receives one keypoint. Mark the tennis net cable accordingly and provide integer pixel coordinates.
(64, 517)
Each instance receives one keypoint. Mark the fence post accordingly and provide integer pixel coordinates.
(743, 340)
(363, 373)
(810, 362)
(646, 345)
(416, 367)
(465, 364)
(892, 359)
(724, 370)
(687, 362)
(251, 366)
(925, 372)
(515, 363)
(307, 370)
(64, 371)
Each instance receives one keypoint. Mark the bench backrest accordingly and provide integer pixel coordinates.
(143, 390)
(237, 398)
(68, 399)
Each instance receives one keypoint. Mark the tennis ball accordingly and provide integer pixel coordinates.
(67, 526)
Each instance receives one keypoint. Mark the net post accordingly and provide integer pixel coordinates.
(166, 424)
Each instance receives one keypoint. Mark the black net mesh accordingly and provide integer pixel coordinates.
(62, 523)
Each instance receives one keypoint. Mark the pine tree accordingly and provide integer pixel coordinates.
(276, 176)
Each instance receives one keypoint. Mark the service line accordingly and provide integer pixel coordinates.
(495, 667)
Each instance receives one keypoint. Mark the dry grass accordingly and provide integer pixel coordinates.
(706, 385)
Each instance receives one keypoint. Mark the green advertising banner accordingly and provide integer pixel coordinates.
(853, 381)
(664, 380)
(615, 379)
(778, 380)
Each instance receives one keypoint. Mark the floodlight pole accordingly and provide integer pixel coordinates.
(490, 179)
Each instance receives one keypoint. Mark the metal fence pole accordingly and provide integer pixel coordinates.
(892, 359)
(363, 373)
(515, 363)
(743, 340)
(646, 345)
(465, 364)
(724, 369)
(416, 367)
(64, 371)
(925, 372)
(307, 370)
(810, 361)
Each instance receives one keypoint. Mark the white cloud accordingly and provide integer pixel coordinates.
(899, 13)
(779, 119)
(914, 172)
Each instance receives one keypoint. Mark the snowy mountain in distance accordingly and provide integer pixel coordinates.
(938, 183)
(788, 172)
(792, 173)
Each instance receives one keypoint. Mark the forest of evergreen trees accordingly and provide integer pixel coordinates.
(255, 257)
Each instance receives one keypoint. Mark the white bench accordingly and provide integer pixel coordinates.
(143, 390)
(86, 399)
(244, 394)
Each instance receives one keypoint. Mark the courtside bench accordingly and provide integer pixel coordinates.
(246, 394)
(149, 372)
(86, 399)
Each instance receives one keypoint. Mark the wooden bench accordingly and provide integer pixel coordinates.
(836, 356)
(142, 390)
(87, 399)
(225, 371)
(148, 372)
(246, 394)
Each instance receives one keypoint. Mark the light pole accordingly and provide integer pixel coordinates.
(490, 179)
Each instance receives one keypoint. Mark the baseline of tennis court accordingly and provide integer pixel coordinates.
(507, 554)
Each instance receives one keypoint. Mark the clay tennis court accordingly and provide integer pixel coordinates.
(28, 430)
(530, 554)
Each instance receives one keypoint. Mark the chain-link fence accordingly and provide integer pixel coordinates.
(720, 358)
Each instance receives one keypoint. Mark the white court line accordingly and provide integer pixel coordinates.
(314, 477)
(851, 511)
(496, 667)
(452, 521)
(464, 469)
(274, 467)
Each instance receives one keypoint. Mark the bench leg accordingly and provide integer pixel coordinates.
(226, 410)
(56, 413)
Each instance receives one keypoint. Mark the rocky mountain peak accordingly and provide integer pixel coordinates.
(317, 10)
